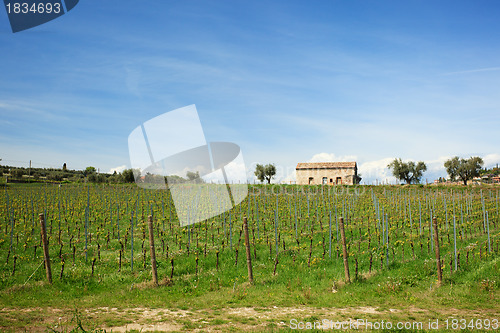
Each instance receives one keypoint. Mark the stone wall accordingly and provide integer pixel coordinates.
(346, 176)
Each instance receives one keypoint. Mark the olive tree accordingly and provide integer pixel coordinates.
(265, 172)
(463, 169)
(409, 172)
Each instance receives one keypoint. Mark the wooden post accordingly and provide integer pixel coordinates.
(45, 244)
(344, 250)
(247, 247)
(438, 257)
(152, 250)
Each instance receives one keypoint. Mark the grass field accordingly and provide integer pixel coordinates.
(101, 269)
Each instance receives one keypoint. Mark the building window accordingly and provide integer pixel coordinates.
(325, 180)
(338, 181)
(310, 180)
(331, 180)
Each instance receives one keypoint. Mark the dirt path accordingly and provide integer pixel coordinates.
(223, 319)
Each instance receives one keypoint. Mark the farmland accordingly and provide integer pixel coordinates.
(100, 259)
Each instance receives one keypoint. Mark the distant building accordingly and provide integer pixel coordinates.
(327, 173)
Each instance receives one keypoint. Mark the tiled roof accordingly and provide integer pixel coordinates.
(326, 165)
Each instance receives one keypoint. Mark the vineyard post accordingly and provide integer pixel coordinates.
(276, 229)
(420, 214)
(438, 257)
(387, 239)
(446, 211)
(11, 222)
(455, 240)
(344, 250)
(132, 241)
(247, 247)
(296, 218)
(276, 224)
(330, 238)
(488, 230)
(118, 219)
(484, 212)
(409, 210)
(337, 224)
(152, 250)
(86, 231)
(45, 248)
(257, 212)
(430, 222)
(230, 231)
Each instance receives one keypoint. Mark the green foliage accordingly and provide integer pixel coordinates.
(89, 171)
(192, 175)
(463, 169)
(18, 173)
(408, 172)
(174, 179)
(265, 172)
(306, 275)
(128, 176)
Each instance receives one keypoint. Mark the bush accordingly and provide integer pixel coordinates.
(18, 173)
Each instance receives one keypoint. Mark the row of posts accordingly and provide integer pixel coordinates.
(247, 247)
(46, 255)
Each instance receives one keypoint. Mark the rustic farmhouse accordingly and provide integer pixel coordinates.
(327, 173)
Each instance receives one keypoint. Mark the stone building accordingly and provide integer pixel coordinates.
(327, 173)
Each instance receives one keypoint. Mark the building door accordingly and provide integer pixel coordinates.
(338, 181)
(325, 181)
(310, 180)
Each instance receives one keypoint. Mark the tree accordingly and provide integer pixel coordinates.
(92, 178)
(407, 171)
(265, 172)
(174, 179)
(64, 167)
(464, 169)
(357, 178)
(18, 173)
(192, 175)
(128, 175)
(89, 171)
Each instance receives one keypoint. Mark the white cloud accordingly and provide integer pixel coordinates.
(118, 169)
(326, 157)
(374, 172)
(491, 160)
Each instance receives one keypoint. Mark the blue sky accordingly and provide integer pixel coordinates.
(289, 81)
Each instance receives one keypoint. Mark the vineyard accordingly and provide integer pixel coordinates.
(99, 247)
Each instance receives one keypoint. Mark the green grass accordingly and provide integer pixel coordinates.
(315, 281)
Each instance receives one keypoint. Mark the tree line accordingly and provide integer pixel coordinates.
(90, 174)
(458, 169)
(410, 172)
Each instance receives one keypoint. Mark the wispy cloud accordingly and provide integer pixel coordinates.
(118, 169)
(489, 69)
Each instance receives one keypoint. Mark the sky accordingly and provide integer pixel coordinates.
(288, 81)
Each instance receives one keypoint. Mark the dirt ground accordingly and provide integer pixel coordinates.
(226, 319)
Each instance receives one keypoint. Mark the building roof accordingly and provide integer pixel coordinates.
(326, 165)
